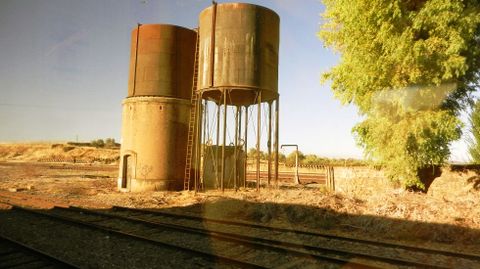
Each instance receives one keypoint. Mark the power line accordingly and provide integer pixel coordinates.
(53, 106)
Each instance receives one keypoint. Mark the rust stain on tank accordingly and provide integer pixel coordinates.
(155, 114)
(163, 63)
(245, 55)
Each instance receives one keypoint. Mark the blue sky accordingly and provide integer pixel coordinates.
(64, 70)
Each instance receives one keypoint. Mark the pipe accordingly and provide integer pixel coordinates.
(297, 180)
(136, 60)
(212, 45)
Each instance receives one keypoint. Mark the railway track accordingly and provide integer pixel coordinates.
(62, 166)
(239, 244)
(14, 254)
(325, 245)
(223, 253)
(288, 176)
(163, 254)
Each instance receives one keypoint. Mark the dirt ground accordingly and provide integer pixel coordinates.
(440, 219)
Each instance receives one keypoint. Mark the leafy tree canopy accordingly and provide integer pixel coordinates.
(409, 67)
(290, 159)
(474, 138)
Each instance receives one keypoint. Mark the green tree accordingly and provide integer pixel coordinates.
(291, 158)
(252, 153)
(110, 143)
(474, 138)
(99, 143)
(311, 159)
(409, 66)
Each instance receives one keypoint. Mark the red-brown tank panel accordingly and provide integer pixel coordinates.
(163, 63)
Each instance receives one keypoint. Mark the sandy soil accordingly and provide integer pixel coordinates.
(48, 152)
(436, 219)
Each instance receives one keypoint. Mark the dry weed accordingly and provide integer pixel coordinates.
(57, 153)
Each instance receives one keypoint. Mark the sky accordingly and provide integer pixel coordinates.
(64, 71)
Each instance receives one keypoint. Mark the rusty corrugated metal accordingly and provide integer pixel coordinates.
(245, 59)
(163, 64)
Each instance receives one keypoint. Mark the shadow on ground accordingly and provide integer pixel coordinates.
(95, 249)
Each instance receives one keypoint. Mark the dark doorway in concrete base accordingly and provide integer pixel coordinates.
(127, 170)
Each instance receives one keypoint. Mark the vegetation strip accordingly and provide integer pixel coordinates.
(310, 233)
(97, 227)
(52, 260)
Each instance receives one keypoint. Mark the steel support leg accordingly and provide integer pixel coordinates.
(269, 143)
(246, 147)
(217, 172)
(277, 107)
(224, 139)
(259, 125)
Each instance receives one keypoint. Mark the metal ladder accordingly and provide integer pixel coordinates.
(192, 122)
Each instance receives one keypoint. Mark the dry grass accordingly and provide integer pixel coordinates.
(401, 216)
(363, 206)
(56, 152)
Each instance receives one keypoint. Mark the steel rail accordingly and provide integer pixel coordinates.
(308, 233)
(251, 175)
(97, 227)
(282, 246)
(48, 259)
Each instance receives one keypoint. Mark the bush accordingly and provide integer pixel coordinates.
(110, 143)
(99, 143)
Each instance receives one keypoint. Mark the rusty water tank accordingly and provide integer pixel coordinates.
(155, 114)
(154, 137)
(163, 63)
(238, 52)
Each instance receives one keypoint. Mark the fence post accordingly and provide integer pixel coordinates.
(327, 179)
(330, 180)
(332, 175)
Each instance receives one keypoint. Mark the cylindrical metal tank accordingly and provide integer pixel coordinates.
(154, 137)
(163, 63)
(238, 51)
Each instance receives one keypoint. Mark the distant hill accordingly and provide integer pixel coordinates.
(49, 152)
